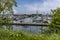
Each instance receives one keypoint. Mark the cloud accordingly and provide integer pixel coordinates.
(45, 6)
(41, 7)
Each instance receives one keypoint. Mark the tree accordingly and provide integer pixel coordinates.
(54, 26)
(6, 7)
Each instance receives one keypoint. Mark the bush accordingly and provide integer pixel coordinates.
(19, 35)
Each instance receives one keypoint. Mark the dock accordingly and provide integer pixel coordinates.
(31, 24)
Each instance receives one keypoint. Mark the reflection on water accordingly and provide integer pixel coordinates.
(30, 29)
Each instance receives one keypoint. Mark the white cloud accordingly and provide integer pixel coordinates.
(45, 6)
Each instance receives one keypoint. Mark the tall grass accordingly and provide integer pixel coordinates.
(19, 35)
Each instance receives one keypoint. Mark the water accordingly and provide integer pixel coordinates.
(29, 29)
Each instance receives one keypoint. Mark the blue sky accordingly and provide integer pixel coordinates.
(23, 2)
(31, 6)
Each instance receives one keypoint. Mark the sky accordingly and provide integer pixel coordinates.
(31, 6)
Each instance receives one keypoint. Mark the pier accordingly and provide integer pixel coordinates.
(31, 24)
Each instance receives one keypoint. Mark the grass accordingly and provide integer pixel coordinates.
(19, 35)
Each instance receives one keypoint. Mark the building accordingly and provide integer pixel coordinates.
(35, 18)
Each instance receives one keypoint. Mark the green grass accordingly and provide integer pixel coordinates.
(19, 35)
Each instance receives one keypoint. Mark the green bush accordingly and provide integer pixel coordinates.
(19, 35)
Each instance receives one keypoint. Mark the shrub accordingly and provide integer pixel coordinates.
(19, 35)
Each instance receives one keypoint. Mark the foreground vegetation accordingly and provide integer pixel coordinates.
(52, 33)
(18, 35)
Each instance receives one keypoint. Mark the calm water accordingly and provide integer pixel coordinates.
(29, 29)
